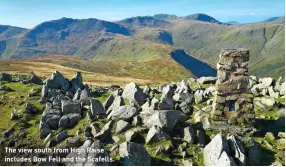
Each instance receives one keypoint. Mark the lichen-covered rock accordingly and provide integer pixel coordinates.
(96, 107)
(122, 126)
(199, 96)
(133, 154)
(117, 102)
(69, 107)
(57, 81)
(156, 134)
(189, 134)
(33, 78)
(134, 93)
(126, 112)
(163, 119)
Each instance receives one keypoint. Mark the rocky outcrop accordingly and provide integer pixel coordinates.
(134, 93)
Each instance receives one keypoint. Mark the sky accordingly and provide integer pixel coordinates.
(29, 13)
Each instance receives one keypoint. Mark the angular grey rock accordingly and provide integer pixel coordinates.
(44, 132)
(73, 141)
(76, 82)
(201, 138)
(268, 101)
(147, 89)
(266, 82)
(85, 97)
(126, 112)
(30, 108)
(189, 134)
(163, 119)
(33, 78)
(96, 107)
(45, 91)
(97, 145)
(108, 102)
(272, 92)
(134, 93)
(61, 136)
(5, 77)
(199, 96)
(207, 80)
(69, 107)
(118, 101)
(156, 134)
(183, 87)
(137, 121)
(166, 104)
(282, 89)
(122, 126)
(186, 107)
(53, 121)
(253, 154)
(133, 154)
(181, 97)
(237, 150)
(167, 92)
(105, 132)
(217, 151)
(57, 81)
(130, 135)
(69, 120)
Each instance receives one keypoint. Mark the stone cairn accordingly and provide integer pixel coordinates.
(234, 100)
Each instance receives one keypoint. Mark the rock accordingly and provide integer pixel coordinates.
(282, 89)
(87, 133)
(201, 138)
(116, 139)
(44, 132)
(69, 107)
(261, 105)
(186, 106)
(163, 119)
(122, 126)
(76, 82)
(269, 136)
(137, 121)
(62, 136)
(108, 102)
(167, 92)
(30, 108)
(57, 81)
(269, 101)
(209, 91)
(96, 107)
(166, 104)
(134, 93)
(156, 134)
(5, 77)
(126, 112)
(147, 89)
(253, 154)
(89, 156)
(281, 134)
(199, 98)
(94, 129)
(206, 123)
(181, 97)
(85, 97)
(272, 92)
(208, 109)
(13, 116)
(118, 101)
(133, 154)
(73, 141)
(199, 115)
(11, 143)
(266, 82)
(237, 150)
(105, 132)
(207, 80)
(183, 87)
(69, 120)
(130, 135)
(217, 151)
(5, 88)
(8, 132)
(189, 134)
(33, 78)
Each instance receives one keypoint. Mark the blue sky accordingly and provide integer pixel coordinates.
(29, 13)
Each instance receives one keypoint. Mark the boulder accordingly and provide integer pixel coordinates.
(237, 150)
(188, 134)
(122, 126)
(84, 98)
(134, 93)
(167, 92)
(69, 107)
(76, 82)
(126, 112)
(268, 101)
(137, 121)
(130, 135)
(253, 154)
(183, 87)
(199, 96)
(282, 89)
(118, 101)
(57, 81)
(62, 136)
(201, 138)
(181, 97)
(186, 106)
(5, 77)
(156, 134)
(273, 93)
(217, 151)
(69, 120)
(44, 132)
(133, 154)
(162, 118)
(96, 107)
(33, 78)
(207, 80)
(30, 108)
(266, 82)
(108, 102)
(147, 89)
(74, 142)
(166, 104)
(105, 132)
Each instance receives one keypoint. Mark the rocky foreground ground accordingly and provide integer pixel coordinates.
(167, 124)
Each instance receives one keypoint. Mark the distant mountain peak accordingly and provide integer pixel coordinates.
(279, 19)
(202, 17)
(167, 17)
(146, 21)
